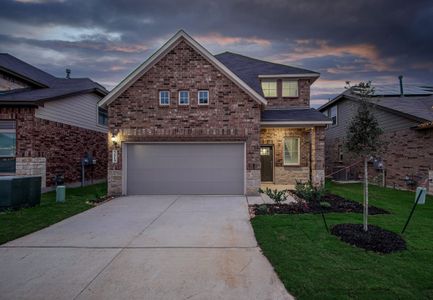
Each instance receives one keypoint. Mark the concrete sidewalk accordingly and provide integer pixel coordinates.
(143, 247)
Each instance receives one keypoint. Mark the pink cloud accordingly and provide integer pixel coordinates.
(217, 38)
(305, 49)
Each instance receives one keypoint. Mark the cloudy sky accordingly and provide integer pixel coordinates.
(343, 40)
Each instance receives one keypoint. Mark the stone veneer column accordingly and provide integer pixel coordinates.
(27, 166)
(318, 155)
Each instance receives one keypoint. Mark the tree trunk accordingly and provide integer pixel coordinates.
(365, 194)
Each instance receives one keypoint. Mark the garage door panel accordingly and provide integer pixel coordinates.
(185, 168)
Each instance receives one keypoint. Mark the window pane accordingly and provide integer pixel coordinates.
(203, 97)
(333, 115)
(184, 97)
(102, 117)
(269, 88)
(164, 98)
(290, 88)
(7, 144)
(7, 165)
(291, 151)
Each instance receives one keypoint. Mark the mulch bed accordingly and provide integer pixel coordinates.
(375, 239)
(338, 204)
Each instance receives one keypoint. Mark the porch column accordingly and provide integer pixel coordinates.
(318, 155)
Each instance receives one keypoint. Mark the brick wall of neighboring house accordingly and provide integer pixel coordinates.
(283, 102)
(230, 116)
(288, 174)
(43, 145)
(408, 152)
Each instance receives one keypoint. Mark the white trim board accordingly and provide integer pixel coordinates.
(161, 52)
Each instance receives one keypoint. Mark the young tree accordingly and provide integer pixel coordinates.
(363, 135)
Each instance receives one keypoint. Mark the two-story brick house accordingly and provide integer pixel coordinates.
(48, 124)
(189, 122)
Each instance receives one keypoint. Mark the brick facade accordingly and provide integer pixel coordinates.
(60, 146)
(408, 152)
(286, 102)
(232, 115)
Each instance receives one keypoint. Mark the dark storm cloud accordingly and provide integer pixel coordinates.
(344, 40)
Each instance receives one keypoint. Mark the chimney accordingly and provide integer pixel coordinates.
(68, 73)
(400, 78)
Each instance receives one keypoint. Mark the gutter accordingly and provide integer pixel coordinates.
(295, 123)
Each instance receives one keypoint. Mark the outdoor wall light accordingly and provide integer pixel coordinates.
(114, 139)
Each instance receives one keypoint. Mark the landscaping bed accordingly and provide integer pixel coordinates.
(375, 239)
(336, 204)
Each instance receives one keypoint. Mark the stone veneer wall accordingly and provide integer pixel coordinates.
(288, 175)
(232, 115)
(408, 152)
(303, 100)
(26, 166)
(61, 146)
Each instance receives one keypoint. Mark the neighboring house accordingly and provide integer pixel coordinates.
(48, 124)
(407, 124)
(188, 122)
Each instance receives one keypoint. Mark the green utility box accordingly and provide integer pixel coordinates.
(19, 191)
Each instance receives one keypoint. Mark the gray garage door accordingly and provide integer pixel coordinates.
(192, 168)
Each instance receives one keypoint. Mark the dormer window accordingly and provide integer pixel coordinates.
(290, 88)
(269, 88)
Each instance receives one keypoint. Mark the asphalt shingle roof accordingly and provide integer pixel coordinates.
(417, 106)
(248, 69)
(53, 87)
(293, 115)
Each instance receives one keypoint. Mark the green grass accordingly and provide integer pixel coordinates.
(14, 224)
(316, 265)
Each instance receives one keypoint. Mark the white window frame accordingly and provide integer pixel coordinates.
(336, 115)
(160, 98)
(187, 92)
(263, 90)
(198, 97)
(299, 151)
(297, 89)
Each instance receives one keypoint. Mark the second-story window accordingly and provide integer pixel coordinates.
(102, 116)
(203, 97)
(290, 88)
(183, 98)
(333, 115)
(164, 98)
(269, 88)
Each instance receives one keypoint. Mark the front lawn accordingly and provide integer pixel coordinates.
(316, 265)
(14, 224)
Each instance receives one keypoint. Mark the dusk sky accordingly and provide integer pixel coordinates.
(343, 40)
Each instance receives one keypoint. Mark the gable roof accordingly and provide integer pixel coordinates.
(414, 107)
(250, 70)
(46, 86)
(161, 52)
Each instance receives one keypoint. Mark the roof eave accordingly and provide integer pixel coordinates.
(294, 123)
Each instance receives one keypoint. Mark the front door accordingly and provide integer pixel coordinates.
(267, 161)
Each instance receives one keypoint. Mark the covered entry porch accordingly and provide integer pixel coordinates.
(289, 154)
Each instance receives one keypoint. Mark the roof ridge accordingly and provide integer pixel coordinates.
(265, 61)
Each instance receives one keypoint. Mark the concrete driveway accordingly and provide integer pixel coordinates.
(143, 247)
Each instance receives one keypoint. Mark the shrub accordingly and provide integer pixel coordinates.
(276, 195)
(325, 204)
(308, 191)
(262, 209)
